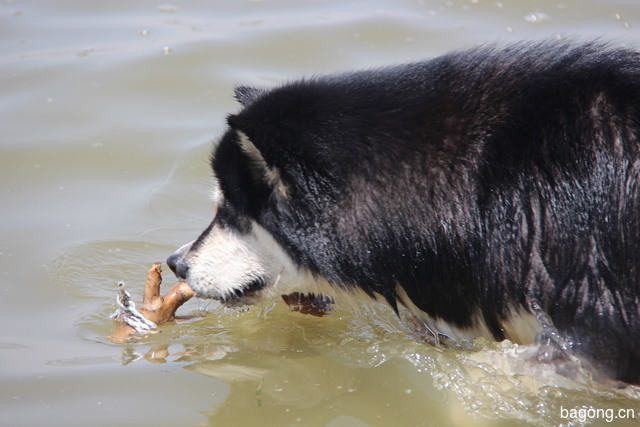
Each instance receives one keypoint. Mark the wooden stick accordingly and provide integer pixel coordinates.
(154, 308)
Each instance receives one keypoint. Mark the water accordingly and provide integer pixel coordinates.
(106, 116)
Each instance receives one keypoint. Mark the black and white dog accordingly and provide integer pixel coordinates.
(483, 190)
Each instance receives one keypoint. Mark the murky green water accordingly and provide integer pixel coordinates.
(107, 109)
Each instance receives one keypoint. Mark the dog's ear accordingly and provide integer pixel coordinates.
(276, 132)
(260, 169)
(246, 94)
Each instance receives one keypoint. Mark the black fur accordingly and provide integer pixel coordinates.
(480, 181)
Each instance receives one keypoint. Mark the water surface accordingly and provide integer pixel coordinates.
(107, 112)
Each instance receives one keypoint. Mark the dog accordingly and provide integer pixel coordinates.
(492, 192)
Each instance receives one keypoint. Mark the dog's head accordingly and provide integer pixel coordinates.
(295, 211)
(237, 259)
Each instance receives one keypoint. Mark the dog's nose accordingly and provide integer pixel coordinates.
(178, 266)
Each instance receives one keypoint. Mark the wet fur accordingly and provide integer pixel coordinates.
(475, 188)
